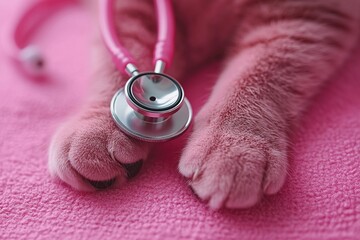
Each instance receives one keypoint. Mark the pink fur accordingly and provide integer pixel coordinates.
(277, 55)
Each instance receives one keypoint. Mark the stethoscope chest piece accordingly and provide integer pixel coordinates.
(151, 107)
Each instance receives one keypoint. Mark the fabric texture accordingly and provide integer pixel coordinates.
(320, 200)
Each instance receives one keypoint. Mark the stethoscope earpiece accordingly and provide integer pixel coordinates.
(28, 57)
(31, 60)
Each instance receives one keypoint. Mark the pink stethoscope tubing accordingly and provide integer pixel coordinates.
(164, 48)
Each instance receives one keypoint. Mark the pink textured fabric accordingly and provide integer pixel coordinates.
(320, 200)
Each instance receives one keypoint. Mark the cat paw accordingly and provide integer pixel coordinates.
(89, 152)
(231, 163)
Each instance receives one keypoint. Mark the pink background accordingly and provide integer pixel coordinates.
(321, 199)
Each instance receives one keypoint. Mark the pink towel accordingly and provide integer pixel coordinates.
(321, 199)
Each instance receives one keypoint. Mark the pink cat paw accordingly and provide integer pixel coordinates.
(232, 164)
(90, 152)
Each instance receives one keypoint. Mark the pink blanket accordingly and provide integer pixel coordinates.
(321, 199)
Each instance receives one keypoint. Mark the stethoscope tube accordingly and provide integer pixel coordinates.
(164, 48)
(120, 55)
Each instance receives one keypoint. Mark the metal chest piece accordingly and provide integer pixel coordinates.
(151, 107)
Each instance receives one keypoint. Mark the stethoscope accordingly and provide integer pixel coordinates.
(151, 106)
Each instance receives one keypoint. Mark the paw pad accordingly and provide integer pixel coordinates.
(102, 184)
(132, 169)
